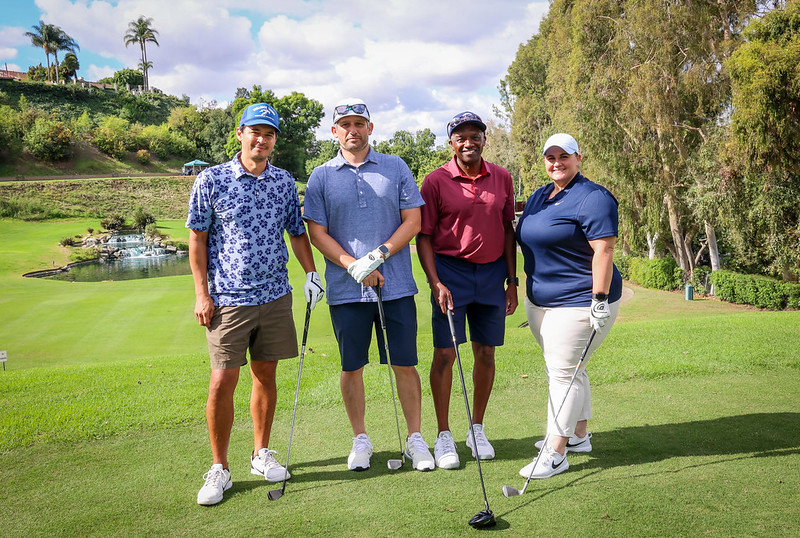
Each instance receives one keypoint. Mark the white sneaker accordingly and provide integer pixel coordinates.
(360, 453)
(417, 449)
(550, 463)
(445, 450)
(218, 480)
(575, 444)
(264, 464)
(485, 448)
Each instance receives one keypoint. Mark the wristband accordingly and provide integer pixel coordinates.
(600, 296)
(512, 280)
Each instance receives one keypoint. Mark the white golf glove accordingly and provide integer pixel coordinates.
(598, 313)
(313, 289)
(362, 267)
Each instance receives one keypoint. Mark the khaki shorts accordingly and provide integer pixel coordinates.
(267, 330)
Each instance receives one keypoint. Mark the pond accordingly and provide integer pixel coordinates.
(126, 257)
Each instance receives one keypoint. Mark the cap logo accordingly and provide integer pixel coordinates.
(262, 111)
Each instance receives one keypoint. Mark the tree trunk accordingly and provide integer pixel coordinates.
(713, 249)
(58, 76)
(651, 245)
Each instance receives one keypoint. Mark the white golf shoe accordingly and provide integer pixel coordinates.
(485, 448)
(444, 448)
(417, 449)
(550, 464)
(575, 444)
(218, 480)
(360, 453)
(264, 464)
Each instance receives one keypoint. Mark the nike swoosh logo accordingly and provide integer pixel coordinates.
(554, 466)
(576, 444)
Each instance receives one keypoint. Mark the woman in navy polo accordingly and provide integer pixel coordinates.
(567, 233)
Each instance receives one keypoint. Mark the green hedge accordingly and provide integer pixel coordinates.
(756, 290)
(660, 274)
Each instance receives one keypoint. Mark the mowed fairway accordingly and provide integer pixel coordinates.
(102, 426)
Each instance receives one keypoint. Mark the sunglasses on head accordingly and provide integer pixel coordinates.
(358, 109)
(462, 118)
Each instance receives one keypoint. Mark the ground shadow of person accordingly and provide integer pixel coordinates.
(760, 433)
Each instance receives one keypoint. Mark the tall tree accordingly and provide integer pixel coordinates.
(639, 82)
(141, 32)
(765, 139)
(62, 41)
(44, 36)
(299, 117)
(69, 66)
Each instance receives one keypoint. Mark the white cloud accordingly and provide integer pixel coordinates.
(415, 62)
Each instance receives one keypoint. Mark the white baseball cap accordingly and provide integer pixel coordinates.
(563, 141)
(352, 106)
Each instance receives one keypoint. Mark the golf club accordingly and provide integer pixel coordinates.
(510, 491)
(484, 518)
(392, 464)
(275, 494)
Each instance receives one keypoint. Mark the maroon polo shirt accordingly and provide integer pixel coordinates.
(464, 217)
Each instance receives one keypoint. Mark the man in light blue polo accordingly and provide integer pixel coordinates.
(238, 212)
(362, 209)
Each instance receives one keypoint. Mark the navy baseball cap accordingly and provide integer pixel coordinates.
(260, 114)
(462, 119)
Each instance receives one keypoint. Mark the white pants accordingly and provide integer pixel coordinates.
(562, 334)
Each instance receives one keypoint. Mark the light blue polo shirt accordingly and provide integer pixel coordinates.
(245, 217)
(554, 236)
(360, 206)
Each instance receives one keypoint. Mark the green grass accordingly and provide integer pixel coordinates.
(103, 429)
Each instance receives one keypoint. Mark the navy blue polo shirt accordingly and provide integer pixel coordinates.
(554, 235)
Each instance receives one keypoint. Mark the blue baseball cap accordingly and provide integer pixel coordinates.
(260, 114)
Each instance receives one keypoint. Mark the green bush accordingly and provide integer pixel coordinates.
(83, 125)
(141, 218)
(67, 242)
(49, 140)
(112, 136)
(756, 290)
(660, 274)
(143, 156)
(623, 264)
(84, 254)
(152, 231)
(113, 222)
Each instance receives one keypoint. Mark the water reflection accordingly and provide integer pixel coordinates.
(127, 268)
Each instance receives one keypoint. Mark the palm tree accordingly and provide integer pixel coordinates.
(140, 31)
(62, 41)
(44, 35)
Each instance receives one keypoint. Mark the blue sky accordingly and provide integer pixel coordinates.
(415, 62)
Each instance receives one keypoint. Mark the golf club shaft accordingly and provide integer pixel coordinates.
(297, 390)
(466, 403)
(560, 407)
(382, 317)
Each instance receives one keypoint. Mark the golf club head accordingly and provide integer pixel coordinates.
(394, 464)
(510, 491)
(483, 519)
(275, 494)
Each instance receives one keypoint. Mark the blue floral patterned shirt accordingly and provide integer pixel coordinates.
(245, 217)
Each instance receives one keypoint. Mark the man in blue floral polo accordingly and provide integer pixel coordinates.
(238, 212)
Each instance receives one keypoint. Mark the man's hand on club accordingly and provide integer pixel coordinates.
(363, 266)
(598, 313)
(313, 289)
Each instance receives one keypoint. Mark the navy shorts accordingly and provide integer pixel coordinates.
(353, 324)
(479, 296)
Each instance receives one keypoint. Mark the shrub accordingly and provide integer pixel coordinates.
(623, 264)
(700, 279)
(83, 125)
(141, 218)
(113, 222)
(90, 230)
(143, 156)
(49, 140)
(756, 290)
(67, 242)
(660, 274)
(85, 254)
(152, 231)
(112, 136)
